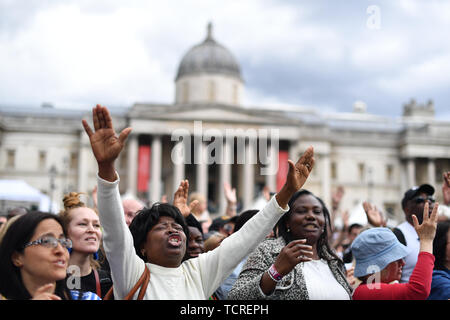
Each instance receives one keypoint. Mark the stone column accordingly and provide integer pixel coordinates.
(411, 172)
(326, 179)
(155, 169)
(201, 174)
(249, 174)
(225, 174)
(272, 168)
(84, 157)
(403, 177)
(178, 165)
(431, 172)
(132, 164)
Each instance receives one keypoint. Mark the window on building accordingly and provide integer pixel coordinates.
(333, 170)
(390, 210)
(73, 162)
(10, 158)
(42, 160)
(361, 171)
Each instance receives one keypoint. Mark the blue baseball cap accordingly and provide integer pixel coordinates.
(374, 249)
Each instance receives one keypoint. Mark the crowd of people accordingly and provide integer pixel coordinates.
(290, 249)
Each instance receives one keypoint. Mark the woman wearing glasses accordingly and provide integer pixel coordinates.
(33, 260)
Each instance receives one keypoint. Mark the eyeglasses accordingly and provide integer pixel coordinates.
(420, 200)
(50, 242)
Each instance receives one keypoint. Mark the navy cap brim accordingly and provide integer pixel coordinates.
(425, 188)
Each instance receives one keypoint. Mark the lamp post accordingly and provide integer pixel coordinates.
(52, 174)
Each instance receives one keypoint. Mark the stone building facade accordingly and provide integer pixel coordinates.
(209, 137)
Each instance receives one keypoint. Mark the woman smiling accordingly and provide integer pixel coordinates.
(299, 264)
(84, 230)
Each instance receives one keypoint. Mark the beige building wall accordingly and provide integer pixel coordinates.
(209, 88)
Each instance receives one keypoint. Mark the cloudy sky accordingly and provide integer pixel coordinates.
(319, 54)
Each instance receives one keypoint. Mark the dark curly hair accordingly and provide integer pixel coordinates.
(147, 218)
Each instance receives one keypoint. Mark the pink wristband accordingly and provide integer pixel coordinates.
(273, 273)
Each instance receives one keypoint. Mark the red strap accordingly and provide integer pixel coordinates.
(97, 284)
(142, 283)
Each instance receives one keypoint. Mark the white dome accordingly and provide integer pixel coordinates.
(209, 57)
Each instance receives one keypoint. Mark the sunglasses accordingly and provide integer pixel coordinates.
(420, 200)
(50, 242)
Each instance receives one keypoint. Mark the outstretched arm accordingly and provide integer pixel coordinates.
(233, 249)
(295, 251)
(126, 266)
(105, 144)
(427, 230)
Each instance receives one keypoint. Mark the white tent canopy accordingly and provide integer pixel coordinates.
(20, 191)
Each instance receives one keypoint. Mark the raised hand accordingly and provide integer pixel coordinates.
(105, 144)
(296, 177)
(230, 193)
(374, 216)
(336, 197)
(427, 230)
(180, 199)
(299, 172)
(46, 292)
(292, 254)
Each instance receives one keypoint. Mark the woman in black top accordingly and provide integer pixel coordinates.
(83, 228)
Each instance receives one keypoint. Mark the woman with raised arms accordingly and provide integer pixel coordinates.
(156, 239)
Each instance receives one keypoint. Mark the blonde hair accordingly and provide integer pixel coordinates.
(72, 201)
(197, 196)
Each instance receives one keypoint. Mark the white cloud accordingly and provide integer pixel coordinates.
(380, 53)
(79, 52)
(431, 74)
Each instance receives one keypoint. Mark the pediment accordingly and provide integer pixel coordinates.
(208, 113)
